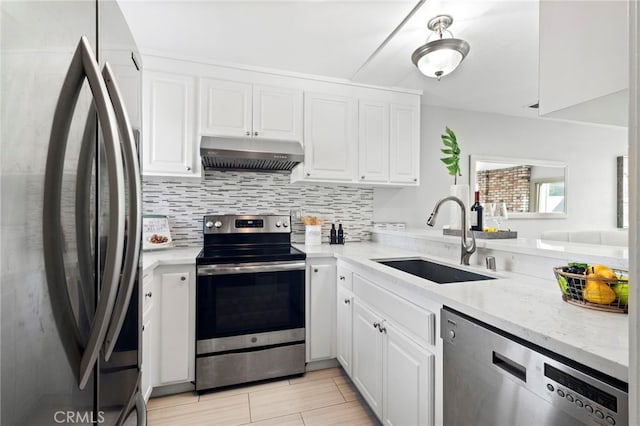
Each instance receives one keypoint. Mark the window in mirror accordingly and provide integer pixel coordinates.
(529, 188)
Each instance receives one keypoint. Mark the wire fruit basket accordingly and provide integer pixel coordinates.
(582, 286)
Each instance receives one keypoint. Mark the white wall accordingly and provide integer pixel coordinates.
(589, 150)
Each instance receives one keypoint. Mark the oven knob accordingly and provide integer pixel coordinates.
(278, 224)
(579, 403)
(569, 398)
(611, 420)
(452, 334)
(286, 225)
(209, 224)
(599, 414)
(550, 387)
(561, 393)
(588, 408)
(218, 224)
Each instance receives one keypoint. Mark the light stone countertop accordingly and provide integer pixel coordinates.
(614, 256)
(528, 307)
(168, 256)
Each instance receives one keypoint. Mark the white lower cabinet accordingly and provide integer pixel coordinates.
(367, 356)
(321, 309)
(344, 329)
(148, 328)
(386, 345)
(407, 380)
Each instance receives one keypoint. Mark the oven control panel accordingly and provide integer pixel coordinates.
(232, 224)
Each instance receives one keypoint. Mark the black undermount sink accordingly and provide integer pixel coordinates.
(432, 271)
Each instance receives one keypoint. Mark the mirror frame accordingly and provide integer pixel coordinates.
(474, 158)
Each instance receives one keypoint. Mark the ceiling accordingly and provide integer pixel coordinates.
(360, 41)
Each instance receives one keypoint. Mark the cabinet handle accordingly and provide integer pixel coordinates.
(248, 133)
(376, 325)
(255, 133)
(308, 174)
(342, 278)
(415, 179)
(315, 270)
(188, 168)
(362, 178)
(347, 301)
(382, 328)
(149, 294)
(183, 278)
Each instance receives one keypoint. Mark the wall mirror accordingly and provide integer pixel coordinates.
(531, 189)
(623, 192)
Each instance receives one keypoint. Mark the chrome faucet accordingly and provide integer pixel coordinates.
(466, 250)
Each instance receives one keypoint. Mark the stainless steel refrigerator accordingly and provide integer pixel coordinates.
(70, 215)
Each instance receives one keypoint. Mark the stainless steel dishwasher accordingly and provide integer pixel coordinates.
(493, 378)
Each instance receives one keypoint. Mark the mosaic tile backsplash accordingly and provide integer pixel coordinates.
(185, 202)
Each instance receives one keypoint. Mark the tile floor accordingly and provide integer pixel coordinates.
(319, 398)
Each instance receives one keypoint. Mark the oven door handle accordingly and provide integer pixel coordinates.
(239, 268)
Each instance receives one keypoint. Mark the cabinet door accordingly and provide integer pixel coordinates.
(404, 144)
(169, 130)
(373, 142)
(408, 381)
(174, 328)
(344, 330)
(321, 326)
(330, 137)
(225, 108)
(147, 351)
(277, 113)
(367, 356)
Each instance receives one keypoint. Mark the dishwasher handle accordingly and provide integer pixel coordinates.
(509, 365)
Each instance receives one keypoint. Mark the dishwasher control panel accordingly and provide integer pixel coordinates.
(598, 404)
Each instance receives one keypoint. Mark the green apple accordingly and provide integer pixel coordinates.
(622, 293)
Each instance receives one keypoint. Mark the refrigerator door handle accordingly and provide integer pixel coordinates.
(134, 232)
(135, 402)
(83, 64)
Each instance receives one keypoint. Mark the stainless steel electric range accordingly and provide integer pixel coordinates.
(250, 301)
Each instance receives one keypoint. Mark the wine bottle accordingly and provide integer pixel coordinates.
(333, 236)
(476, 214)
(340, 234)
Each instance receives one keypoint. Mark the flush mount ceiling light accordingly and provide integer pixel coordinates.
(440, 57)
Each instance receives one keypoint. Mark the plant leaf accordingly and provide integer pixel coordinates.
(448, 160)
(450, 132)
(453, 170)
(446, 151)
(447, 141)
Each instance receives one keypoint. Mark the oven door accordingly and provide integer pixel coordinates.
(249, 305)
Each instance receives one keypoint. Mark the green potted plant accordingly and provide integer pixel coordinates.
(452, 163)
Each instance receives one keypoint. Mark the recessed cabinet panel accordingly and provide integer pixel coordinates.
(344, 329)
(226, 108)
(169, 139)
(321, 308)
(277, 113)
(367, 356)
(330, 136)
(174, 328)
(147, 356)
(404, 144)
(373, 142)
(408, 381)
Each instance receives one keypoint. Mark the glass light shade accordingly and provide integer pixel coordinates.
(440, 57)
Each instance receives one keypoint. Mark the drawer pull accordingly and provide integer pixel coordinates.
(183, 278)
(347, 301)
(376, 325)
(149, 294)
(342, 278)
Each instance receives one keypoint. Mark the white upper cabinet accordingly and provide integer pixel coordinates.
(373, 141)
(330, 136)
(584, 61)
(277, 113)
(169, 125)
(404, 144)
(225, 108)
(236, 109)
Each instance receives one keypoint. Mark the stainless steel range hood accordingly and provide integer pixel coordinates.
(220, 153)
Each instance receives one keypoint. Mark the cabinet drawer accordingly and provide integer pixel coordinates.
(345, 277)
(418, 323)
